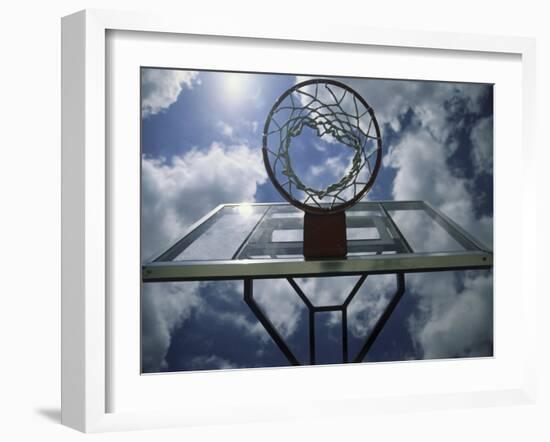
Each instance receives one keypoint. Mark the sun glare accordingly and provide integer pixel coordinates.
(245, 209)
(234, 86)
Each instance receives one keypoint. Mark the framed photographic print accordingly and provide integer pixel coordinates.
(273, 218)
(200, 150)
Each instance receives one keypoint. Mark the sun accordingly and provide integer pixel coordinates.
(234, 86)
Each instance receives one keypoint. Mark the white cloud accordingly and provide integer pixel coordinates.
(455, 322)
(327, 290)
(370, 303)
(225, 129)
(241, 131)
(241, 322)
(280, 303)
(161, 87)
(423, 174)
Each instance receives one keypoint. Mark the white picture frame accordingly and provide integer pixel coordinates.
(86, 209)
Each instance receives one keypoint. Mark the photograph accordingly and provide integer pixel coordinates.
(304, 219)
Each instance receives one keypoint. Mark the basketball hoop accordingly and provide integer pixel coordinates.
(335, 112)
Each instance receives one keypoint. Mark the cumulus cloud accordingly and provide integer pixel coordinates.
(240, 131)
(278, 299)
(327, 290)
(456, 318)
(161, 87)
(370, 303)
(422, 173)
(240, 321)
(225, 129)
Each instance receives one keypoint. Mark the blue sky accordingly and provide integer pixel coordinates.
(201, 146)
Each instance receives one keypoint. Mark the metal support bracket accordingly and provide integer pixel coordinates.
(312, 309)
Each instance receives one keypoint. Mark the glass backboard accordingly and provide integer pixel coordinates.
(237, 241)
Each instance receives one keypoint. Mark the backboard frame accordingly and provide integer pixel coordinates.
(161, 269)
